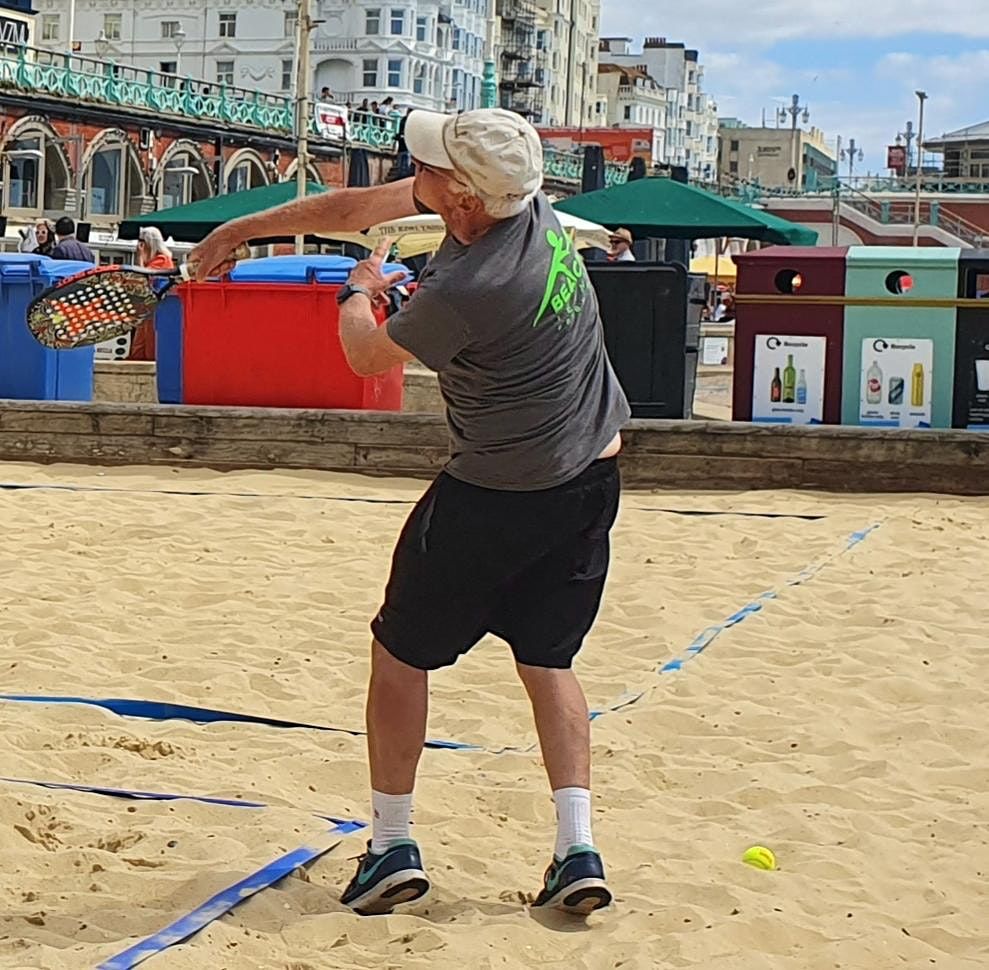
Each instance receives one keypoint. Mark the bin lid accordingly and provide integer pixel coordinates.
(321, 268)
(903, 257)
(53, 270)
(16, 267)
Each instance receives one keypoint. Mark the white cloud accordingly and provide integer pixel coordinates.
(765, 22)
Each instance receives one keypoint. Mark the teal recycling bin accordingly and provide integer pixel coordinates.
(899, 360)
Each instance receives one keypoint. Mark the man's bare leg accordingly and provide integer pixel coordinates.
(575, 880)
(397, 704)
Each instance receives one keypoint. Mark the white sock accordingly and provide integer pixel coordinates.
(391, 820)
(573, 819)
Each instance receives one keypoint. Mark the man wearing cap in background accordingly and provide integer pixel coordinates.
(512, 537)
(621, 247)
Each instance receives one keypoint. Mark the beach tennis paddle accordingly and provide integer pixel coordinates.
(102, 303)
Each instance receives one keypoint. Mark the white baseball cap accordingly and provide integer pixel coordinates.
(496, 151)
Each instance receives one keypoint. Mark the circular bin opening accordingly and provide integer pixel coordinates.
(899, 282)
(788, 281)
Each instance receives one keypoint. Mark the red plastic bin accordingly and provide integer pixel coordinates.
(274, 345)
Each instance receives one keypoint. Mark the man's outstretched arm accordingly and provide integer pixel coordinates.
(343, 210)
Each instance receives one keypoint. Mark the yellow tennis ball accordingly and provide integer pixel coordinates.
(760, 857)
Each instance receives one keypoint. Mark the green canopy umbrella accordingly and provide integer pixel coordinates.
(666, 209)
(193, 222)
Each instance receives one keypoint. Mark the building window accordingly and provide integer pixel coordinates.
(733, 145)
(169, 28)
(733, 168)
(49, 26)
(168, 67)
(106, 182)
(397, 23)
(225, 72)
(23, 174)
(372, 22)
(628, 112)
(422, 25)
(287, 66)
(370, 72)
(112, 25)
(419, 79)
(394, 72)
(228, 25)
(177, 179)
(291, 23)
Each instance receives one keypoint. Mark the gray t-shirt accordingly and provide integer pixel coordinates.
(511, 326)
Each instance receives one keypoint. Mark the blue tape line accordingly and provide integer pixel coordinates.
(704, 639)
(215, 907)
(159, 711)
(343, 824)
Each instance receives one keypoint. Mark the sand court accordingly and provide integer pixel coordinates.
(842, 724)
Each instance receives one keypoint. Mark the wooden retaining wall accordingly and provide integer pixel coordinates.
(658, 454)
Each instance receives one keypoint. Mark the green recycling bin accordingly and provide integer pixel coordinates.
(899, 360)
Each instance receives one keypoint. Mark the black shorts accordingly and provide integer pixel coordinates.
(529, 567)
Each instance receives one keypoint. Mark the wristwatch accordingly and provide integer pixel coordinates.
(348, 290)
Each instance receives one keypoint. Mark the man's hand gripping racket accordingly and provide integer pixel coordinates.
(104, 302)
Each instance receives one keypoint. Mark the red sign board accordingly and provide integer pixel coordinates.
(896, 159)
(619, 144)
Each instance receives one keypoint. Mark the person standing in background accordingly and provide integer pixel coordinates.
(68, 247)
(152, 253)
(621, 247)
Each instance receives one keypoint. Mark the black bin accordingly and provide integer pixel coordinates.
(644, 311)
(970, 404)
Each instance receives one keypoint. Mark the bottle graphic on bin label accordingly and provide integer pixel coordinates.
(776, 388)
(895, 390)
(789, 381)
(917, 386)
(874, 384)
(802, 388)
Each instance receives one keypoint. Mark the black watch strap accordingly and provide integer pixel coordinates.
(348, 290)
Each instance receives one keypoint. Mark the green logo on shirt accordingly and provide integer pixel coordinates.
(566, 283)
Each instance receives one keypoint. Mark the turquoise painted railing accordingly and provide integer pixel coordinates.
(569, 167)
(88, 79)
(75, 77)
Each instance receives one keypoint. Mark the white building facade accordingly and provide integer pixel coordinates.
(692, 122)
(422, 53)
(629, 98)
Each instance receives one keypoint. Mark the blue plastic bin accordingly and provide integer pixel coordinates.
(319, 268)
(29, 371)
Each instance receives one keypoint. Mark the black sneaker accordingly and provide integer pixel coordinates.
(576, 884)
(384, 881)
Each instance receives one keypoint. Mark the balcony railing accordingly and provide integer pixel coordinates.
(79, 78)
(569, 167)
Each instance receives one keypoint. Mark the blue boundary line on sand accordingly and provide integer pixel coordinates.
(161, 711)
(153, 796)
(707, 636)
(222, 902)
(217, 906)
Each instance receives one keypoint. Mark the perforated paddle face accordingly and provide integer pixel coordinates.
(93, 306)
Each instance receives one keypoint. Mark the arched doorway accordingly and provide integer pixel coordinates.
(113, 182)
(338, 75)
(183, 176)
(37, 180)
(245, 170)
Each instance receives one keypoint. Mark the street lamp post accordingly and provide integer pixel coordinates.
(303, 30)
(852, 154)
(921, 97)
(794, 111)
(178, 38)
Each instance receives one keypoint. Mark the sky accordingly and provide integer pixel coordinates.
(855, 63)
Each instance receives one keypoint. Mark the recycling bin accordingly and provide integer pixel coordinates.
(970, 404)
(788, 355)
(899, 365)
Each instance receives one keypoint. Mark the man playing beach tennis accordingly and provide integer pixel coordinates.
(512, 537)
